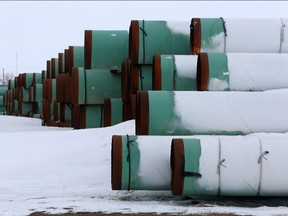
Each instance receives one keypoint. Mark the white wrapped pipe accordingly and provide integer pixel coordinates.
(230, 166)
(239, 35)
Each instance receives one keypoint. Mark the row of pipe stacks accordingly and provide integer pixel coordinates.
(209, 99)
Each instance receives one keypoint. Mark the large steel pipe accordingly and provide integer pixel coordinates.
(174, 72)
(227, 35)
(105, 49)
(242, 71)
(147, 38)
(229, 166)
(194, 112)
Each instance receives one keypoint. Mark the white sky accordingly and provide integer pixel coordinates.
(36, 31)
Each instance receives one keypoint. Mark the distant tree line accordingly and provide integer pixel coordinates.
(5, 77)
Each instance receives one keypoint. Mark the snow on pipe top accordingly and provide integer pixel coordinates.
(238, 35)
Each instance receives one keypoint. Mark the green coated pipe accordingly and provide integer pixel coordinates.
(90, 86)
(2, 109)
(214, 165)
(96, 86)
(37, 78)
(242, 71)
(74, 58)
(27, 80)
(226, 35)
(105, 49)
(147, 38)
(25, 108)
(93, 116)
(174, 72)
(141, 162)
(113, 111)
(222, 113)
(2, 100)
(24, 94)
(3, 89)
(37, 92)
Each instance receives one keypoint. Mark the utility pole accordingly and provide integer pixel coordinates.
(16, 63)
(3, 77)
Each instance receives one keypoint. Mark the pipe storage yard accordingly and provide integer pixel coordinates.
(197, 90)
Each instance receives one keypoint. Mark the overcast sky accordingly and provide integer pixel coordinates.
(37, 31)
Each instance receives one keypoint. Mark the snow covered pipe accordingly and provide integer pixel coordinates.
(242, 71)
(227, 35)
(174, 72)
(90, 86)
(105, 49)
(113, 111)
(194, 112)
(147, 38)
(229, 166)
(140, 162)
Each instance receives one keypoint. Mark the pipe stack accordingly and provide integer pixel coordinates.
(147, 38)
(231, 86)
(3, 90)
(21, 100)
(199, 92)
(100, 79)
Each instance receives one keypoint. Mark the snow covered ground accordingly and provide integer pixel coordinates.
(57, 170)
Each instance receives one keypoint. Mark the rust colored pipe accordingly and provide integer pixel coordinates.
(129, 80)
(134, 41)
(125, 81)
(156, 73)
(116, 162)
(87, 48)
(70, 59)
(48, 69)
(142, 113)
(202, 72)
(195, 36)
(75, 86)
(60, 63)
(177, 166)
(129, 109)
(107, 112)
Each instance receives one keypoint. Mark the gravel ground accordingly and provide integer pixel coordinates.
(119, 214)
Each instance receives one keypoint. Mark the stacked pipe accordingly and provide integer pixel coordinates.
(63, 102)
(49, 94)
(201, 165)
(227, 35)
(217, 167)
(100, 80)
(147, 38)
(3, 89)
(20, 99)
(242, 89)
(57, 80)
